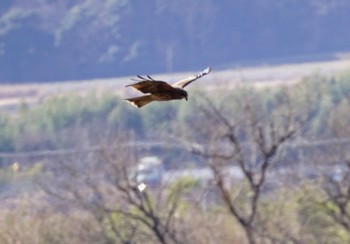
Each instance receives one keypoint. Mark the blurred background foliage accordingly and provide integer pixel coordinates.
(52, 123)
(295, 209)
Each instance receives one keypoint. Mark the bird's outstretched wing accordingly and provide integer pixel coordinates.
(149, 85)
(188, 80)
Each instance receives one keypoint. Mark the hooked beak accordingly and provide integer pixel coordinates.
(186, 98)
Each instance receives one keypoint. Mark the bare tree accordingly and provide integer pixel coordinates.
(337, 202)
(245, 133)
(101, 183)
(336, 179)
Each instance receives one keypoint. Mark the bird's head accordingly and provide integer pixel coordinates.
(184, 94)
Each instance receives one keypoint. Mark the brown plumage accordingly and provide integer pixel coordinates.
(158, 90)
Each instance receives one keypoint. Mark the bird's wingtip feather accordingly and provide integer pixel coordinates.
(207, 70)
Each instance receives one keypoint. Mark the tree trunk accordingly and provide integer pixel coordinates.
(250, 234)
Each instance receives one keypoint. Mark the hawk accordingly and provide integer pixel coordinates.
(158, 90)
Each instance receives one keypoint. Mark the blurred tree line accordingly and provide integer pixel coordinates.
(42, 40)
(53, 124)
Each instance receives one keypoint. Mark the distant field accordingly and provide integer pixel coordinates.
(13, 95)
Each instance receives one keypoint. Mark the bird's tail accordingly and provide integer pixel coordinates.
(140, 101)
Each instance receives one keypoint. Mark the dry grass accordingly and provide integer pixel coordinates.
(34, 93)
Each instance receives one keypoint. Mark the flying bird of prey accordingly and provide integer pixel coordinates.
(158, 90)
